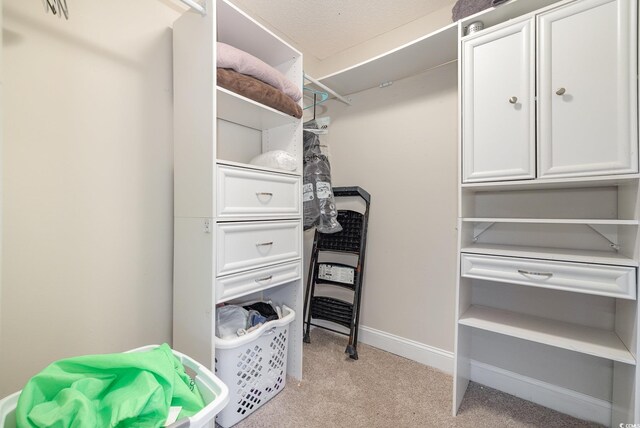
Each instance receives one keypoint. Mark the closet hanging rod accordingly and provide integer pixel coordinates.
(326, 88)
(195, 6)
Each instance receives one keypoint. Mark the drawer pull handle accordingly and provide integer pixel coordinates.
(269, 194)
(528, 272)
(264, 244)
(266, 278)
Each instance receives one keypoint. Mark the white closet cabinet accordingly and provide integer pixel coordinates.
(547, 290)
(237, 226)
(499, 121)
(585, 60)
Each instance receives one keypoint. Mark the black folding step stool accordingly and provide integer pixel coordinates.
(351, 240)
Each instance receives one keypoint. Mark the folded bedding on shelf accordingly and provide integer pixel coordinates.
(464, 8)
(245, 63)
(256, 90)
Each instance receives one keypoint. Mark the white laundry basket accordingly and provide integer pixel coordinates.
(213, 391)
(254, 367)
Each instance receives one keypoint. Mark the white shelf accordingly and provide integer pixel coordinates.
(246, 112)
(596, 221)
(558, 183)
(256, 167)
(432, 50)
(574, 337)
(555, 254)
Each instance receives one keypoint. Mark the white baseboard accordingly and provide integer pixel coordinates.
(416, 351)
(552, 396)
(407, 348)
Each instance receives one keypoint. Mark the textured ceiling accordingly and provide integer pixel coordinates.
(325, 27)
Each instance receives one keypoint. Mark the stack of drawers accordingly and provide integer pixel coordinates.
(258, 231)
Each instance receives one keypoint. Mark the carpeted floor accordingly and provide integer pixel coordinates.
(384, 390)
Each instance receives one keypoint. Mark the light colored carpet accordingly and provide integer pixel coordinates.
(384, 390)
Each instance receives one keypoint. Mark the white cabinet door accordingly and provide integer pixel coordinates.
(587, 89)
(498, 134)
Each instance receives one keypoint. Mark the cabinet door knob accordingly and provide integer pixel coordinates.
(264, 194)
(266, 278)
(513, 100)
(561, 91)
(264, 244)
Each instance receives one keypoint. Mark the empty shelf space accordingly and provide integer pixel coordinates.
(574, 337)
(246, 112)
(558, 254)
(552, 221)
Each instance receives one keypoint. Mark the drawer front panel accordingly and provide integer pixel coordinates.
(238, 285)
(603, 280)
(243, 246)
(248, 193)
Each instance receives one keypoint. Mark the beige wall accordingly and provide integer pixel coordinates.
(87, 175)
(400, 144)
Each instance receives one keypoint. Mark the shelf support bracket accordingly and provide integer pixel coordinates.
(480, 228)
(608, 232)
(328, 89)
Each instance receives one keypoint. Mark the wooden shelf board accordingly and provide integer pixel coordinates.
(235, 108)
(574, 337)
(557, 183)
(429, 51)
(552, 221)
(555, 254)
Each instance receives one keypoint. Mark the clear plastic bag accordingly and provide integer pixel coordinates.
(230, 319)
(277, 159)
(318, 201)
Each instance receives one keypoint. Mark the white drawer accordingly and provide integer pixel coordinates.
(243, 246)
(241, 284)
(249, 193)
(603, 280)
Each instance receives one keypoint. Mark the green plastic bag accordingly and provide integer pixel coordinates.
(113, 390)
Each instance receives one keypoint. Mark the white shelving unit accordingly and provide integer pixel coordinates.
(578, 338)
(549, 263)
(237, 228)
(404, 61)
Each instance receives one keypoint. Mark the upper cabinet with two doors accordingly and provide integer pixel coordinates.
(552, 95)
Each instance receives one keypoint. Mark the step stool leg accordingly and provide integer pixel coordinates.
(310, 290)
(352, 351)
